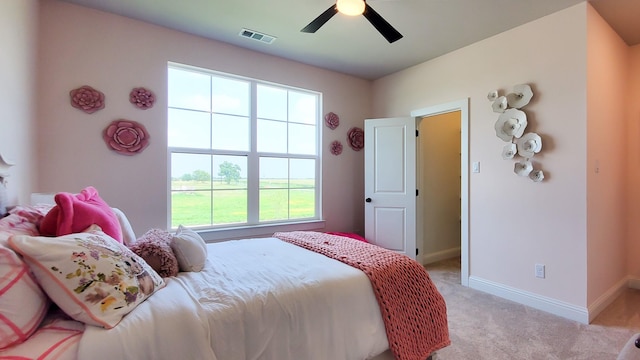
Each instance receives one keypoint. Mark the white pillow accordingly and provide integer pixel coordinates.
(128, 235)
(190, 249)
(90, 276)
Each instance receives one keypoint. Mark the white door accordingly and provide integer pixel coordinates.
(390, 183)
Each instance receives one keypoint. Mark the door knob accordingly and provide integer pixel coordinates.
(367, 199)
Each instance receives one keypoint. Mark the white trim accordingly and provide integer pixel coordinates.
(553, 306)
(633, 283)
(607, 298)
(257, 231)
(463, 107)
(440, 255)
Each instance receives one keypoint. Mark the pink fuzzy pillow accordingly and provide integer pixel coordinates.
(155, 248)
(75, 213)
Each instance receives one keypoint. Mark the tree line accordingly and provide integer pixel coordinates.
(228, 171)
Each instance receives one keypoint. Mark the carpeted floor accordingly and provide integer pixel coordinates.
(483, 326)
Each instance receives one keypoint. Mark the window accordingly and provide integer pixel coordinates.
(241, 152)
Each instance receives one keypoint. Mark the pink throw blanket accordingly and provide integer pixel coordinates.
(413, 310)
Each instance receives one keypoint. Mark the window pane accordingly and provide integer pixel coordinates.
(190, 172)
(272, 103)
(302, 139)
(272, 136)
(212, 118)
(190, 189)
(229, 206)
(302, 203)
(187, 129)
(274, 173)
(302, 108)
(230, 172)
(230, 132)
(274, 204)
(230, 96)
(230, 194)
(189, 90)
(191, 208)
(303, 173)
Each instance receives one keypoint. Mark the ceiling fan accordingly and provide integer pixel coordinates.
(353, 8)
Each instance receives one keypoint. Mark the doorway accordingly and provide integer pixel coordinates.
(438, 179)
(459, 109)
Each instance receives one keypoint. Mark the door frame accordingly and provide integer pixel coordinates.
(463, 107)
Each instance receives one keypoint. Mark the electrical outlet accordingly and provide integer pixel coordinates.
(540, 271)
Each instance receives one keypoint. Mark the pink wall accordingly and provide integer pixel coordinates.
(607, 96)
(18, 24)
(515, 223)
(80, 46)
(633, 112)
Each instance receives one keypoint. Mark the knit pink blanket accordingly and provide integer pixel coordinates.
(413, 311)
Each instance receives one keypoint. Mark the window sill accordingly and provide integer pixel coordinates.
(259, 231)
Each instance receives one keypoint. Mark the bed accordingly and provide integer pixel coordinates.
(296, 295)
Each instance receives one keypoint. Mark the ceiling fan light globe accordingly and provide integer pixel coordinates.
(350, 7)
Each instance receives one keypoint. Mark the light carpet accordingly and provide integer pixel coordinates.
(483, 326)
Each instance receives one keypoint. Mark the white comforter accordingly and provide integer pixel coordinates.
(256, 299)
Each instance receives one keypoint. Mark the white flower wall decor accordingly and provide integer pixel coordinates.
(500, 104)
(529, 145)
(520, 96)
(510, 127)
(509, 151)
(510, 124)
(523, 167)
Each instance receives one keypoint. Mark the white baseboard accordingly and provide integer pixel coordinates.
(607, 298)
(553, 306)
(440, 255)
(634, 283)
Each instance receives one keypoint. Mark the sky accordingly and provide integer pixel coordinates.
(194, 98)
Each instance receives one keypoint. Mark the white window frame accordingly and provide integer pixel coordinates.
(253, 227)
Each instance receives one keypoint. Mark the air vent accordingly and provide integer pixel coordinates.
(268, 39)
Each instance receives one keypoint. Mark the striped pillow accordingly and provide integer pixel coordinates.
(23, 304)
(56, 339)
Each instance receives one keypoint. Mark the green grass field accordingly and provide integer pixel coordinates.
(192, 202)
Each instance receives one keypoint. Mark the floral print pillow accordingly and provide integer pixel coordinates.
(90, 276)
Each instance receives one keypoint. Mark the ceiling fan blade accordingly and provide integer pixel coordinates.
(320, 20)
(381, 24)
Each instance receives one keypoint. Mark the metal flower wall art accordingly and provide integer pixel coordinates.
(332, 120)
(336, 148)
(510, 124)
(87, 99)
(126, 137)
(510, 127)
(142, 98)
(355, 136)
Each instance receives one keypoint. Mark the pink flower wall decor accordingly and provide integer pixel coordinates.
(87, 99)
(126, 137)
(355, 136)
(142, 98)
(336, 148)
(332, 120)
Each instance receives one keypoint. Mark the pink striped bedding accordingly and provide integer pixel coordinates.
(57, 338)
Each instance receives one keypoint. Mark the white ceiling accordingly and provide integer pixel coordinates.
(352, 45)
